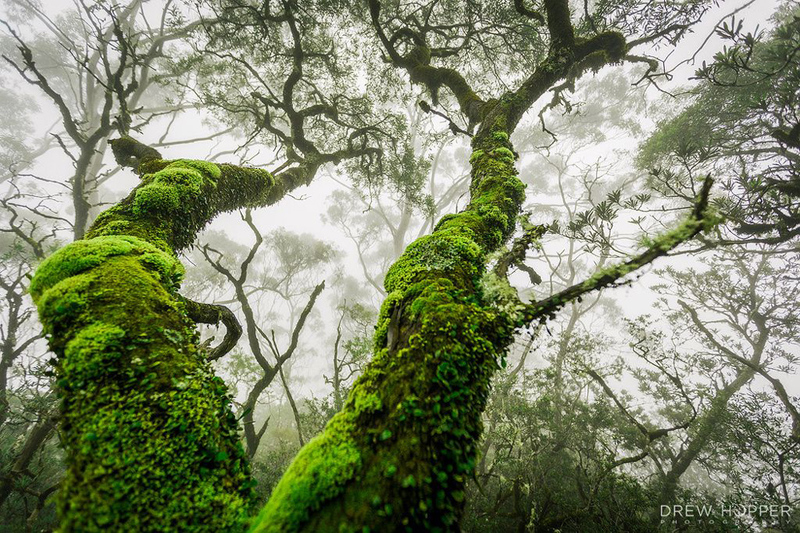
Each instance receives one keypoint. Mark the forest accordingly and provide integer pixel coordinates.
(400, 265)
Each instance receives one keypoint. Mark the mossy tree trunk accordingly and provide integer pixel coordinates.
(398, 454)
(150, 438)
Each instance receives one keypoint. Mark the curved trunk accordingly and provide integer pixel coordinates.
(149, 435)
(397, 456)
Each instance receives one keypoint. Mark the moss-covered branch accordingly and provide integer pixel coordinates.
(699, 220)
(559, 25)
(562, 62)
(516, 255)
(130, 153)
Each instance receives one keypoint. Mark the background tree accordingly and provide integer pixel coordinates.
(295, 257)
(94, 65)
(752, 141)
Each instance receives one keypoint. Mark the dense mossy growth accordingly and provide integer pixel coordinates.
(408, 433)
(320, 471)
(176, 199)
(150, 438)
(444, 252)
(84, 255)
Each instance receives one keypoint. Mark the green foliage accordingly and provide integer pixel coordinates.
(740, 124)
(272, 460)
(546, 447)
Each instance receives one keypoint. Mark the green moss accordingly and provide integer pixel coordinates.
(417, 443)
(367, 403)
(174, 188)
(498, 292)
(210, 170)
(446, 251)
(504, 154)
(177, 198)
(612, 272)
(150, 438)
(83, 255)
(317, 474)
(94, 351)
(64, 303)
(151, 166)
(500, 136)
(684, 231)
(156, 199)
(384, 319)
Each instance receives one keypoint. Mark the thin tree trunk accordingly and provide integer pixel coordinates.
(706, 426)
(252, 437)
(293, 405)
(36, 437)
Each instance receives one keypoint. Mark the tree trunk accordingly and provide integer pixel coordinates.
(706, 426)
(150, 439)
(397, 456)
(35, 438)
(252, 436)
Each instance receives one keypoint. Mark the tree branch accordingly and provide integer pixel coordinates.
(203, 313)
(698, 221)
(780, 390)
